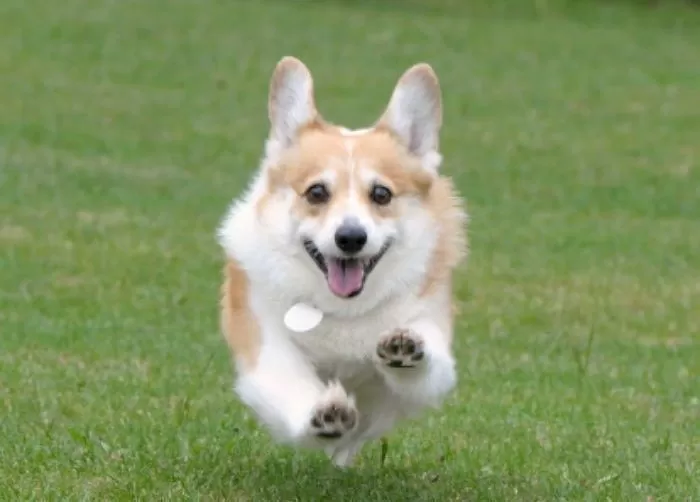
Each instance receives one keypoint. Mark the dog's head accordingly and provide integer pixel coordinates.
(355, 203)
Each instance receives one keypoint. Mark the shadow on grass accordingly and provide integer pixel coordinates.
(282, 478)
(250, 467)
(311, 479)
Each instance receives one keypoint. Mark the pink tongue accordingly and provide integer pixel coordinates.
(345, 280)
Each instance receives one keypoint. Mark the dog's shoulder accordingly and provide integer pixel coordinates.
(238, 322)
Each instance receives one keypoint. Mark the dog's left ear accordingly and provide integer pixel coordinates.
(414, 113)
(291, 104)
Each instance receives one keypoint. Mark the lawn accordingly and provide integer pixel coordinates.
(572, 129)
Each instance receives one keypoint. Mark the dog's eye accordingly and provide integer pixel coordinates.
(380, 195)
(317, 194)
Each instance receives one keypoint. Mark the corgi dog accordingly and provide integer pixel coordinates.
(337, 297)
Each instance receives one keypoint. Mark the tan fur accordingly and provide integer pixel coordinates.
(402, 172)
(452, 243)
(319, 150)
(322, 147)
(237, 321)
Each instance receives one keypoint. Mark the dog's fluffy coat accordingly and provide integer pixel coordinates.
(382, 353)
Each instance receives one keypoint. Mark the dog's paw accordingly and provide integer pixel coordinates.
(402, 348)
(335, 415)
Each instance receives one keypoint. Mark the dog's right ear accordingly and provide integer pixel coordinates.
(291, 104)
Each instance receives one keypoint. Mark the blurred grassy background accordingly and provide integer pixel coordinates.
(571, 129)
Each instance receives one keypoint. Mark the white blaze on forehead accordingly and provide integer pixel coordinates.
(356, 206)
(350, 149)
(352, 167)
(353, 189)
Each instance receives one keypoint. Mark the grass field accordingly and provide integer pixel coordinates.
(573, 130)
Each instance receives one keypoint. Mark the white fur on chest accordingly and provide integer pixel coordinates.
(354, 340)
(336, 339)
(343, 348)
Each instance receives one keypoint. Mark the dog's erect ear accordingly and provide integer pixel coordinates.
(414, 113)
(291, 101)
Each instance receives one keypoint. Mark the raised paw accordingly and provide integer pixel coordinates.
(402, 348)
(333, 420)
(335, 416)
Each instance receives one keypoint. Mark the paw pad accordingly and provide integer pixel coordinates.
(333, 420)
(401, 349)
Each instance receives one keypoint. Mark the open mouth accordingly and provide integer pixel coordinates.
(345, 276)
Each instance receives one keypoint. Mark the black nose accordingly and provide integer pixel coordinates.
(350, 238)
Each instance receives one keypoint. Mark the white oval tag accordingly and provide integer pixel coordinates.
(302, 317)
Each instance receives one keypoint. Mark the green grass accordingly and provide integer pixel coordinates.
(571, 128)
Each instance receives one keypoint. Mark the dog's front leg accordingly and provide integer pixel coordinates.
(287, 395)
(417, 363)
